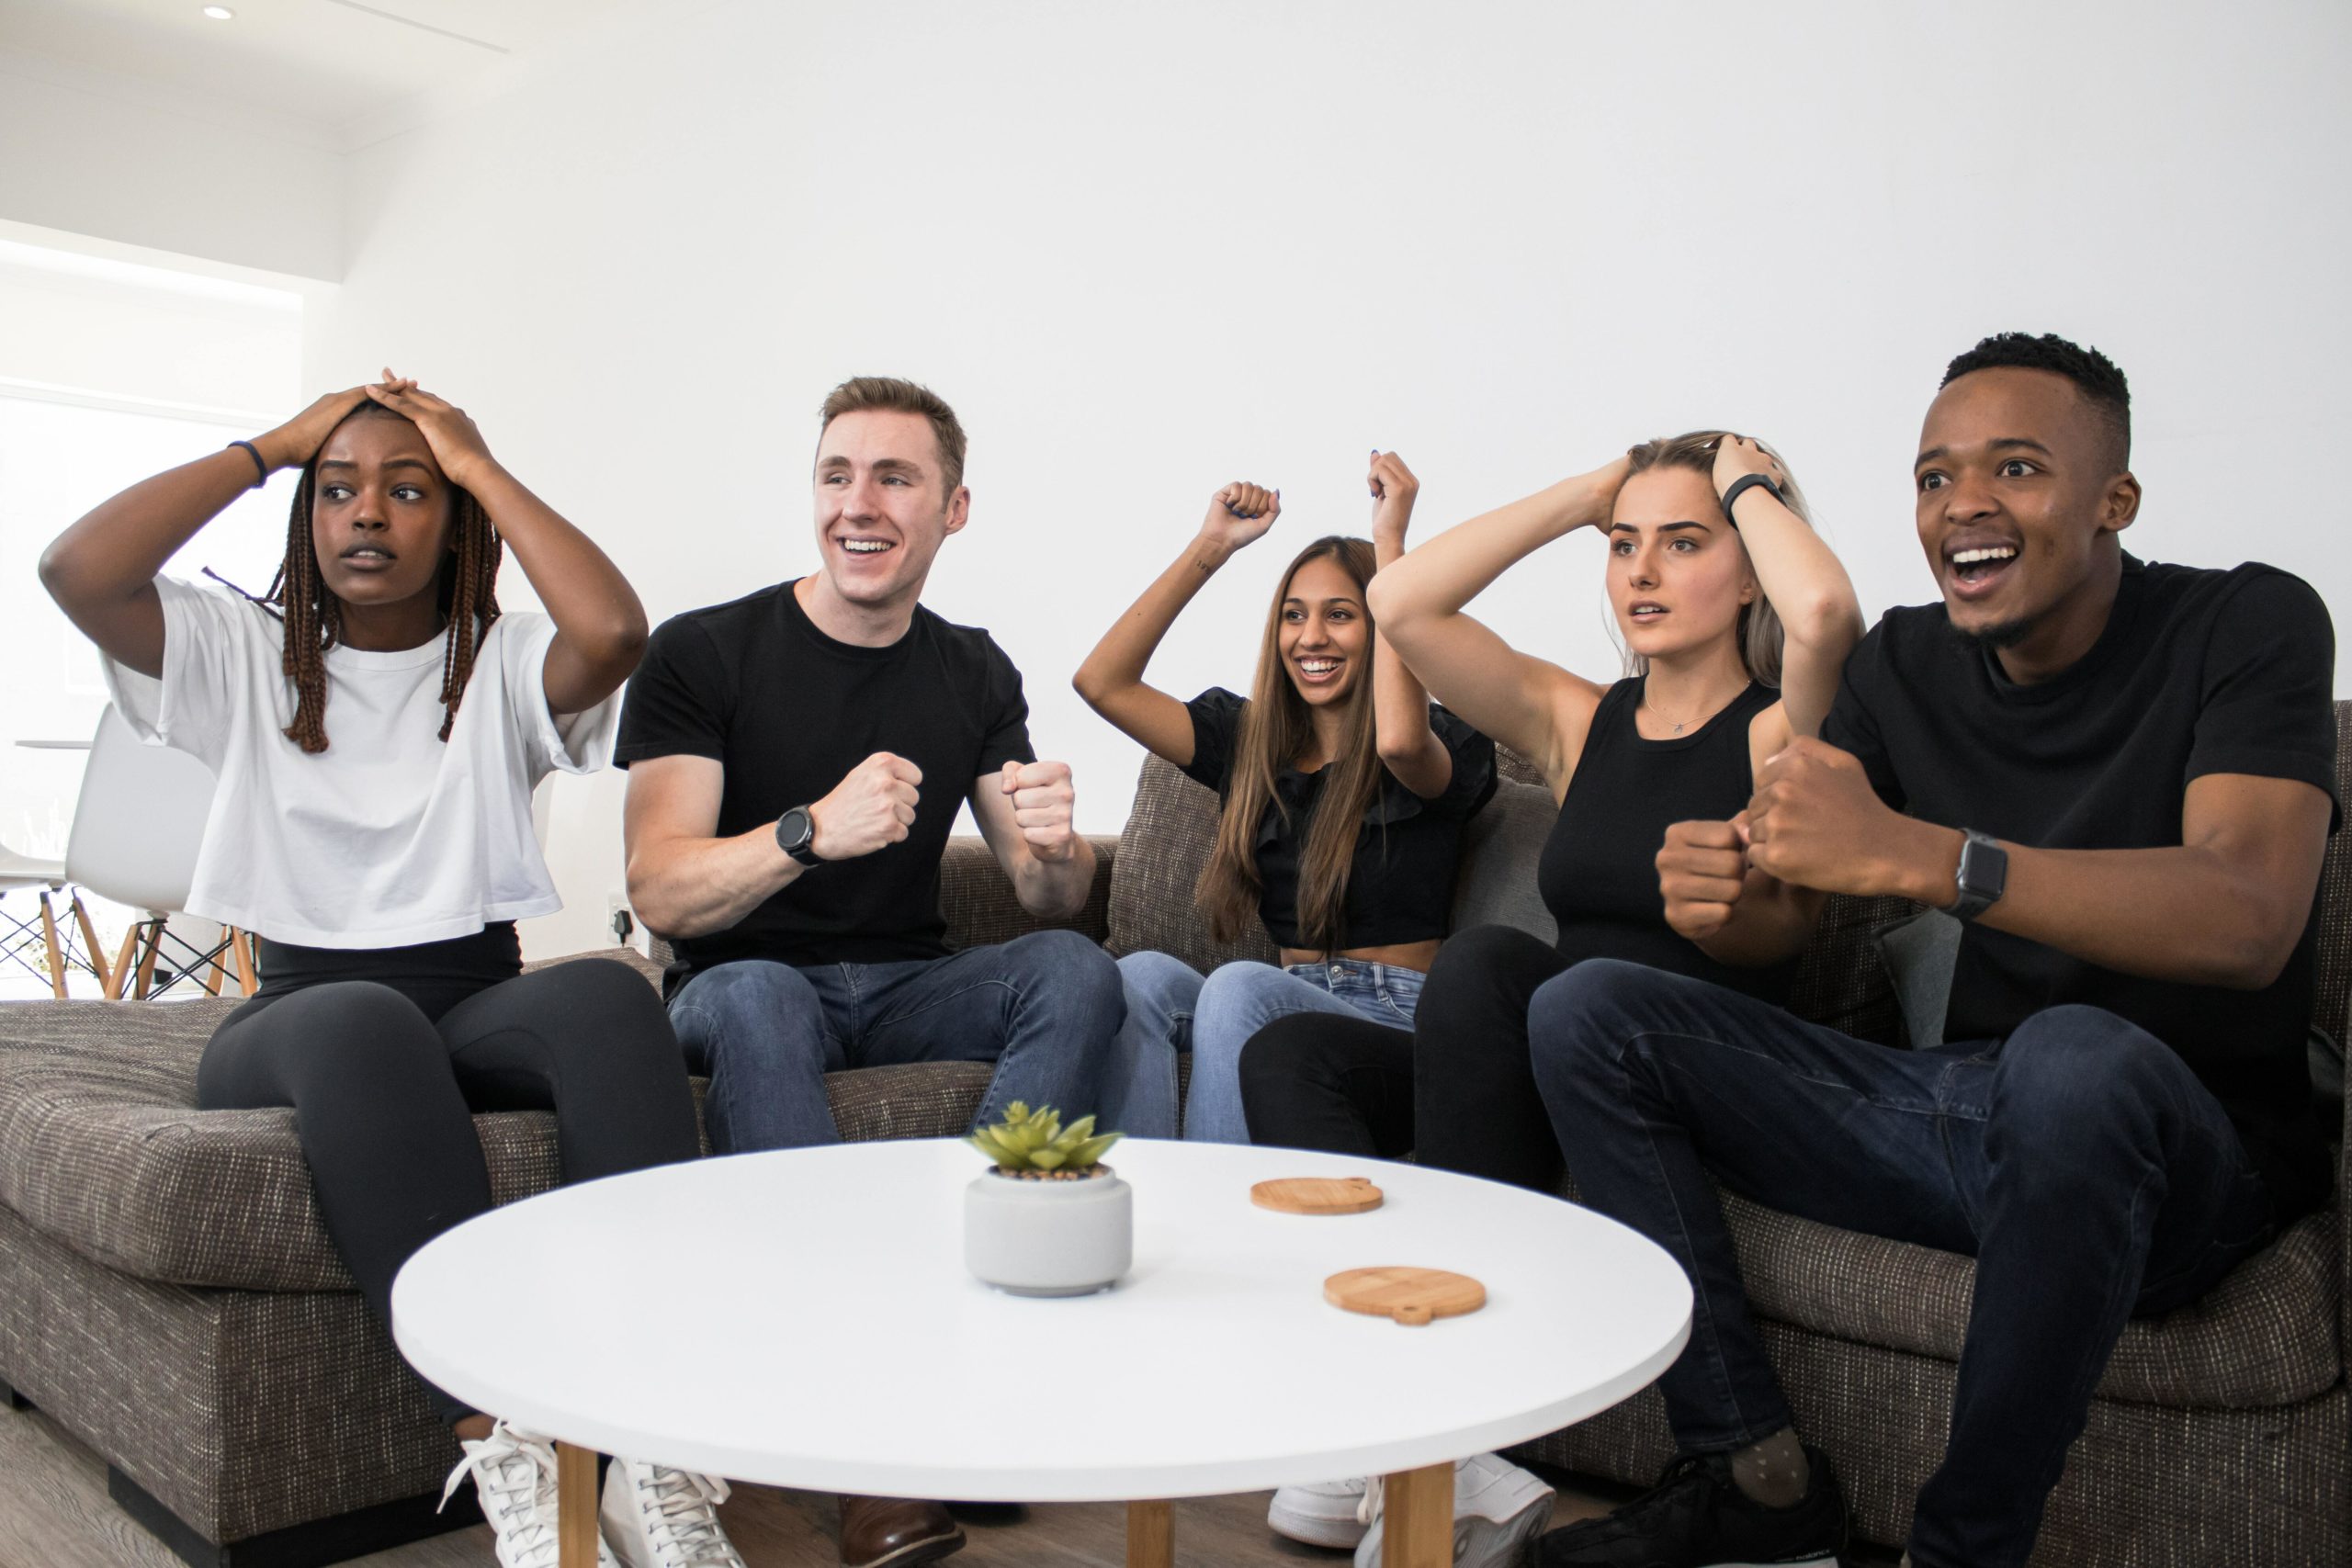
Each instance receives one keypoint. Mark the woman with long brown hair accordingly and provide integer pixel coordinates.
(1343, 795)
(377, 725)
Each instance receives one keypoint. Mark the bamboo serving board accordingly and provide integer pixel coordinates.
(1317, 1195)
(1406, 1295)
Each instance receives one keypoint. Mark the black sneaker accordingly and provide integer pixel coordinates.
(1695, 1518)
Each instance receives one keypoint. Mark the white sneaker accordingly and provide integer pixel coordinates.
(660, 1518)
(1498, 1510)
(513, 1474)
(1322, 1513)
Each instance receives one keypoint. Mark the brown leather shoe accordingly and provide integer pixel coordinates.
(895, 1532)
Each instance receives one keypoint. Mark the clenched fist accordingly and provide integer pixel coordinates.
(1702, 870)
(873, 806)
(1042, 799)
(1816, 822)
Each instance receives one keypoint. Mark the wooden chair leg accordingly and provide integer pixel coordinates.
(90, 940)
(242, 944)
(49, 936)
(119, 976)
(154, 929)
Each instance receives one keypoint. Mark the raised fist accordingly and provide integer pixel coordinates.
(1240, 513)
(873, 806)
(1701, 869)
(1042, 799)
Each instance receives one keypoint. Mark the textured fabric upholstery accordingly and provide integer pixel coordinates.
(167, 1294)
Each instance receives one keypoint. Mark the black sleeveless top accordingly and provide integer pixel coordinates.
(1599, 874)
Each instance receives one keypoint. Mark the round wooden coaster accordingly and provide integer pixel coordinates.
(1407, 1295)
(1317, 1195)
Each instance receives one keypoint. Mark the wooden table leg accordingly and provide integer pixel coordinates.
(1151, 1535)
(575, 1502)
(1417, 1513)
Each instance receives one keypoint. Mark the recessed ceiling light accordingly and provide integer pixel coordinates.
(221, 13)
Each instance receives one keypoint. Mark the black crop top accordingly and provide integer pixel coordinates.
(1599, 874)
(1400, 885)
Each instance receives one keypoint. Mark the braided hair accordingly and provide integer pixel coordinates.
(467, 594)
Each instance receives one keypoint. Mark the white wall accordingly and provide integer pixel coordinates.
(1145, 253)
(116, 158)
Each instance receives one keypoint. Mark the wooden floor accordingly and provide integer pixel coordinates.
(54, 1512)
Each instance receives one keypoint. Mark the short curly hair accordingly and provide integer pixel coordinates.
(2098, 378)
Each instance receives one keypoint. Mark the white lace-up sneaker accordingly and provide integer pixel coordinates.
(1498, 1510)
(660, 1518)
(513, 1474)
(1322, 1513)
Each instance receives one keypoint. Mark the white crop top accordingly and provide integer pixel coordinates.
(389, 836)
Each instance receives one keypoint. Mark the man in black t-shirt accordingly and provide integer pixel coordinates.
(796, 760)
(2121, 776)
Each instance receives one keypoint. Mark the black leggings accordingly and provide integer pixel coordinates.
(1457, 1090)
(385, 1056)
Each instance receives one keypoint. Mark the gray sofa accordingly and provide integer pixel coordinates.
(166, 1291)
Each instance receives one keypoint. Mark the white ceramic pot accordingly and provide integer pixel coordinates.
(1032, 1237)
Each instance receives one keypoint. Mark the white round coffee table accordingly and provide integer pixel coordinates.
(803, 1319)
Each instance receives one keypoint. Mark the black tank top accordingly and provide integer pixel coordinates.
(1599, 874)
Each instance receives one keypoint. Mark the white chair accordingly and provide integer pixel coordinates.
(21, 874)
(136, 827)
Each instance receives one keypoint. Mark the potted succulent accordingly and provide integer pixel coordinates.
(1047, 1217)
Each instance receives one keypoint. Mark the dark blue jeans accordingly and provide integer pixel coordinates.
(2089, 1172)
(1044, 1008)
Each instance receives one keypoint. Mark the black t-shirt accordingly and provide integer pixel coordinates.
(2196, 672)
(1400, 881)
(1598, 870)
(788, 712)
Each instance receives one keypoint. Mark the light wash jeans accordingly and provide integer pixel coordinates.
(1170, 1009)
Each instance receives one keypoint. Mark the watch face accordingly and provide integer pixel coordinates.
(795, 829)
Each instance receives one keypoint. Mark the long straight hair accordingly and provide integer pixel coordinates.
(1758, 632)
(1277, 728)
(466, 591)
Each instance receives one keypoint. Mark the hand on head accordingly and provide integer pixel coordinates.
(1739, 455)
(456, 440)
(873, 806)
(1043, 800)
(1240, 513)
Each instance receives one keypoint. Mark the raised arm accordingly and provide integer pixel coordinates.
(1802, 576)
(600, 628)
(1400, 713)
(102, 570)
(1110, 679)
(1527, 704)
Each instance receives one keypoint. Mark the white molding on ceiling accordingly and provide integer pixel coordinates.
(125, 87)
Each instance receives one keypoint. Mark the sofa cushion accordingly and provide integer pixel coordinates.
(102, 1148)
(1167, 841)
(1497, 885)
(2265, 1336)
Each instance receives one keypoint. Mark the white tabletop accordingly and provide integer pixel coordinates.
(803, 1318)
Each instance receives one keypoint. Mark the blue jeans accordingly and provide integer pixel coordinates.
(1044, 1008)
(2086, 1168)
(1170, 1009)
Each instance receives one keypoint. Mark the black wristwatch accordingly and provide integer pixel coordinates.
(1983, 873)
(1740, 486)
(795, 835)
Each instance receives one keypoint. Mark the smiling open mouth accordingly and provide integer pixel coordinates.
(1319, 668)
(868, 546)
(1980, 565)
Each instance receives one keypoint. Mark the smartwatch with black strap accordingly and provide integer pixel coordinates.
(1740, 486)
(1984, 875)
(795, 835)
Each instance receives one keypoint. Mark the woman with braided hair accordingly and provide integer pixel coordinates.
(377, 726)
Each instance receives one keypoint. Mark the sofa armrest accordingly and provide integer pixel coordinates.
(977, 896)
